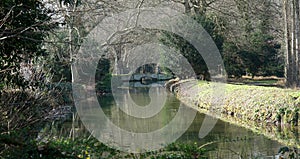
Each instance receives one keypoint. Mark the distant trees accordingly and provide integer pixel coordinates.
(244, 31)
(252, 40)
(189, 51)
(77, 18)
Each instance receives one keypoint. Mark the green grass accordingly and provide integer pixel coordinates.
(87, 148)
(261, 104)
(270, 110)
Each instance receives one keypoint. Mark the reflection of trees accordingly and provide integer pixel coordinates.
(103, 76)
(71, 128)
(148, 68)
(140, 97)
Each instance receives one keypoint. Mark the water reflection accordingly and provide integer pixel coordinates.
(139, 125)
(226, 140)
(231, 141)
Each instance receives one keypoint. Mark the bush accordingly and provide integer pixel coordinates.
(23, 113)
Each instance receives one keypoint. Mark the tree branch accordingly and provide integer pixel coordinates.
(6, 16)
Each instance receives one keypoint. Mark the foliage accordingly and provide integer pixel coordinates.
(232, 61)
(65, 40)
(86, 148)
(262, 56)
(252, 50)
(23, 113)
(23, 28)
(103, 76)
(21, 109)
(56, 64)
(189, 51)
(25, 24)
(62, 91)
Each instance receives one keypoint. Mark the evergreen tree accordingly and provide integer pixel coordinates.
(23, 26)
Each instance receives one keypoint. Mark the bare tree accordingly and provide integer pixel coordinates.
(291, 21)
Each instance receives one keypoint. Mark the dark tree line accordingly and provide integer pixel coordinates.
(248, 34)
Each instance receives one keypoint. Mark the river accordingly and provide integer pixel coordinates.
(226, 140)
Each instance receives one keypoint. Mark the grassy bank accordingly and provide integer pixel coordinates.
(268, 110)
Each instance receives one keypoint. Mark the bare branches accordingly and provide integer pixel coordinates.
(6, 16)
(16, 33)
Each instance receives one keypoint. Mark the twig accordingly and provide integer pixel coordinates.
(213, 142)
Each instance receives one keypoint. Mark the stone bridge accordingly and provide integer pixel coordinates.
(140, 77)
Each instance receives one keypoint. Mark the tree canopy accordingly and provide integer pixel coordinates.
(23, 27)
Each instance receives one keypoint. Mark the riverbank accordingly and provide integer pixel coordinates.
(271, 111)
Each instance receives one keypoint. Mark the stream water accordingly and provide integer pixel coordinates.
(229, 141)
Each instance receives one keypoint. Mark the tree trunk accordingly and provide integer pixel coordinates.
(297, 33)
(293, 44)
(291, 35)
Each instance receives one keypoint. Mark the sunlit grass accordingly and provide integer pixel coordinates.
(263, 109)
